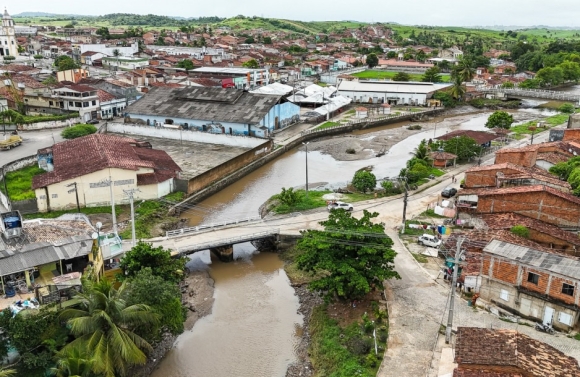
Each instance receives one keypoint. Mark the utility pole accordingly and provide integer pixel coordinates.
(113, 206)
(76, 194)
(306, 145)
(458, 254)
(404, 179)
(130, 193)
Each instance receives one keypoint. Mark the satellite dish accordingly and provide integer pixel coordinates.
(99, 225)
(95, 235)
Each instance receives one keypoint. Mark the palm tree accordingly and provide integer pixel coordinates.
(104, 327)
(422, 152)
(74, 362)
(7, 372)
(457, 90)
(465, 69)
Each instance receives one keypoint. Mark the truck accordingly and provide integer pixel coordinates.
(11, 142)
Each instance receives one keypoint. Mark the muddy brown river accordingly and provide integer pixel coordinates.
(255, 326)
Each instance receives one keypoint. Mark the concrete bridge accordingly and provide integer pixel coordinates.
(530, 93)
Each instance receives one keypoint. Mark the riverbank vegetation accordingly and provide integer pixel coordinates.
(299, 201)
(494, 104)
(527, 128)
(341, 330)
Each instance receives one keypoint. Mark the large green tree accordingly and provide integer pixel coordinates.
(185, 64)
(64, 63)
(364, 181)
(432, 75)
(500, 119)
(372, 60)
(252, 63)
(402, 77)
(157, 258)
(463, 147)
(350, 257)
(105, 325)
(464, 69)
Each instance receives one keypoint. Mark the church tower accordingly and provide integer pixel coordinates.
(8, 45)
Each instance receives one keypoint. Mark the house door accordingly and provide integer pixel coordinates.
(548, 315)
(231, 131)
(276, 123)
(525, 306)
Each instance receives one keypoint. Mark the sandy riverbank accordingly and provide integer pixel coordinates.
(368, 144)
(197, 296)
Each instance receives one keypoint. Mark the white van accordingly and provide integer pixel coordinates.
(429, 240)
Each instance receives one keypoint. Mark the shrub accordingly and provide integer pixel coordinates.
(567, 108)
(520, 230)
(414, 127)
(364, 180)
(350, 151)
(358, 345)
(288, 197)
(78, 131)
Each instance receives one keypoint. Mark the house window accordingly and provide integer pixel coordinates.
(54, 196)
(70, 103)
(565, 318)
(78, 104)
(50, 103)
(504, 295)
(94, 103)
(85, 104)
(533, 278)
(568, 289)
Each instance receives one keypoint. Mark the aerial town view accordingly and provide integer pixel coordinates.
(259, 189)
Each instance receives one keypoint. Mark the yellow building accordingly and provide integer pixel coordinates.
(83, 169)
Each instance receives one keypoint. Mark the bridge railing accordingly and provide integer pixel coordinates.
(193, 229)
(228, 241)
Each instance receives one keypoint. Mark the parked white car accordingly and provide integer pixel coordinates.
(429, 240)
(342, 205)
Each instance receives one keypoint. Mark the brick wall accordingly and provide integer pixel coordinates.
(522, 158)
(538, 205)
(572, 134)
(556, 290)
(485, 178)
(550, 241)
(505, 271)
(542, 285)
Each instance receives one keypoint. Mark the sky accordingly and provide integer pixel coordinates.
(413, 12)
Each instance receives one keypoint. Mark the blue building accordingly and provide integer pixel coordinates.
(214, 110)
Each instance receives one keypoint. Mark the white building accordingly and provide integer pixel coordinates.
(109, 50)
(240, 78)
(391, 92)
(125, 63)
(81, 98)
(8, 47)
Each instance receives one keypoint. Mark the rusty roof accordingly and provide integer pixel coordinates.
(519, 190)
(440, 155)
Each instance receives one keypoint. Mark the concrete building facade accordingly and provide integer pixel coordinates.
(391, 92)
(8, 44)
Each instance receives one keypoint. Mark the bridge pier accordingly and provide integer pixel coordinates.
(224, 253)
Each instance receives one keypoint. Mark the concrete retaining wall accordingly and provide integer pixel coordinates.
(49, 124)
(306, 136)
(187, 135)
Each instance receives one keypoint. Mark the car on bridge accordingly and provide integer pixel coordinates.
(340, 205)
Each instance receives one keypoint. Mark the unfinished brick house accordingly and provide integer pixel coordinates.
(483, 352)
(539, 202)
(539, 285)
(544, 155)
(508, 174)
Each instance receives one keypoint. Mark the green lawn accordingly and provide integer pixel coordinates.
(523, 129)
(379, 75)
(327, 125)
(19, 183)
(86, 210)
(314, 200)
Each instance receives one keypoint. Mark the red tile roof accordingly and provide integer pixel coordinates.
(105, 96)
(480, 137)
(88, 154)
(520, 189)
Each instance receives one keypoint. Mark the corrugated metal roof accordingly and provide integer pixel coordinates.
(386, 86)
(535, 258)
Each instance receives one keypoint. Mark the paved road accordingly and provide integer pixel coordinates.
(32, 142)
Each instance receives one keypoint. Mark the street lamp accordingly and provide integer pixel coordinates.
(99, 225)
(306, 145)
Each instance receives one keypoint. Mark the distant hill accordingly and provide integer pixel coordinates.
(44, 14)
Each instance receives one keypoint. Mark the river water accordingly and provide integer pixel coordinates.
(254, 327)
(243, 198)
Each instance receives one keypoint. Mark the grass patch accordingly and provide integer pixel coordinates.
(431, 213)
(420, 258)
(554, 105)
(295, 275)
(315, 200)
(19, 183)
(577, 336)
(352, 112)
(342, 352)
(327, 125)
(555, 120)
(413, 231)
(381, 75)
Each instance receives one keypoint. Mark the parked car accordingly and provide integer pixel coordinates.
(429, 240)
(341, 205)
(448, 192)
